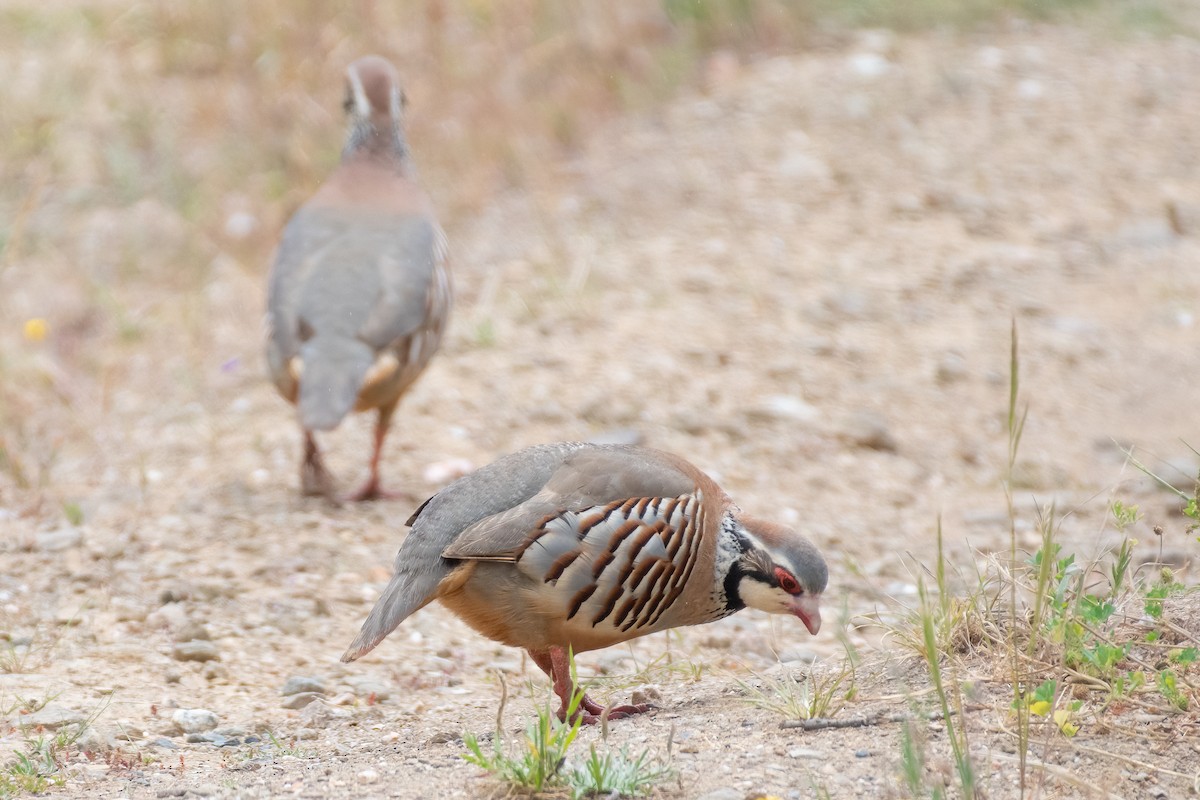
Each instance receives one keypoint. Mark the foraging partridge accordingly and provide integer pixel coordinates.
(583, 546)
(359, 292)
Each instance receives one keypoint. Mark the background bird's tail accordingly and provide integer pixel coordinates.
(334, 368)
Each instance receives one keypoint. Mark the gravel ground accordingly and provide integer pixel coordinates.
(803, 279)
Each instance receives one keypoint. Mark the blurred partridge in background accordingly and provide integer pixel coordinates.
(359, 292)
(581, 546)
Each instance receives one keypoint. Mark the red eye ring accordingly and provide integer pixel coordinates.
(787, 581)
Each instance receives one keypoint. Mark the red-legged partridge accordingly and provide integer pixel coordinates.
(359, 292)
(583, 546)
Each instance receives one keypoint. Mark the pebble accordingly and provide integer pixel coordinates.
(1180, 472)
(365, 687)
(646, 694)
(868, 429)
(869, 65)
(300, 700)
(56, 540)
(862, 753)
(194, 720)
(799, 654)
(723, 794)
(320, 714)
(440, 473)
(804, 752)
(50, 717)
(195, 650)
(368, 776)
(951, 367)
(192, 631)
(171, 616)
(303, 683)
(206, 738)
(164, 743)
(784, 407)
(618, 436)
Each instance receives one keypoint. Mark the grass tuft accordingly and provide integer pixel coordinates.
(540, 760)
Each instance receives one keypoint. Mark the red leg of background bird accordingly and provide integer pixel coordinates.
(560, 674)
(314, 478)
(371, 489)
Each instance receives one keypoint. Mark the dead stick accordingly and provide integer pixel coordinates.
(822, 723)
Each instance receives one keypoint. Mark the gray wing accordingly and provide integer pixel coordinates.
(591, 476)
(294, 263)
(350, 274)
(407, 255)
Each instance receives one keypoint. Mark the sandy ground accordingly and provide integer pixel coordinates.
(802, 279)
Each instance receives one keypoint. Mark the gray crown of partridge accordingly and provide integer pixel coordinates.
(583, 546)
(359, 292)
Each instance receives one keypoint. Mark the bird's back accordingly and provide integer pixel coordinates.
(359, 295)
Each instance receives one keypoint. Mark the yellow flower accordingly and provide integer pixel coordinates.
(36, 329)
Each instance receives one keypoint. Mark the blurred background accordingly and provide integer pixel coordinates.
(787, 239)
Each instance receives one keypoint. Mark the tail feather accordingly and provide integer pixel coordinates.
(397, 603)
(334, 369)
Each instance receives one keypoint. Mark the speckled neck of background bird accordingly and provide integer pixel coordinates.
(374, 111)
(377, 139)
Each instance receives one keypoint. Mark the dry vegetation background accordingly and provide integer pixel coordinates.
(784, 239)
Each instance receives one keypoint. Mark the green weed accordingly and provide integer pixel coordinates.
(540, 760)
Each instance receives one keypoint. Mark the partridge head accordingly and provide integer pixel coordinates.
(579, 546)
(359, 292)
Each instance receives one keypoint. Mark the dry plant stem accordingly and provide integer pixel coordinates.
(1191, 637)
(1061, 773)
(824, 723)
(1015, 428)
(503, 701)
(1076, 745)
(1195, 777)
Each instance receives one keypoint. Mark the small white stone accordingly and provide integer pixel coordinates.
(1031, 89)
(991, 57)
(239, 225)
(440, 473)
(869, 65)
(194, 720)
(368, 776)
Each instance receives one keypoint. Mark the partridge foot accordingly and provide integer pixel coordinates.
(371, 491)
(315, 480)
(590, 712)
(556, 664)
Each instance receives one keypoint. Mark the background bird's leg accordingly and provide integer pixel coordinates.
(314, 478)
(560, 673)
(371, 489)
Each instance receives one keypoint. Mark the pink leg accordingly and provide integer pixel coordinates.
(555, 663)
(314, 478)
(371, 489)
